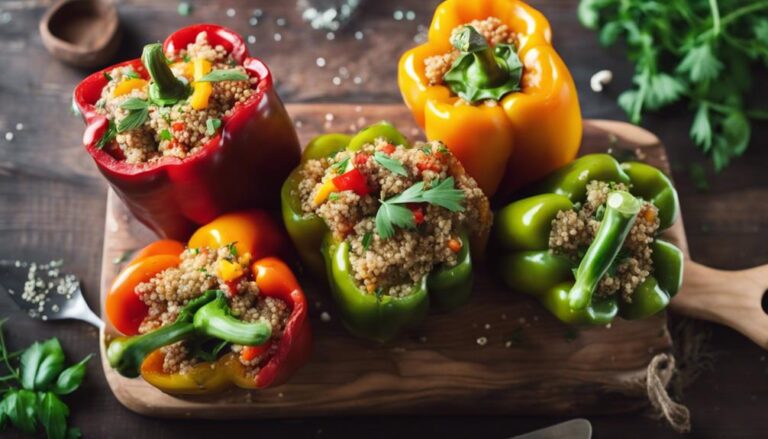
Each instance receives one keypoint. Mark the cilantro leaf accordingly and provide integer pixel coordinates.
(700, 64)
(664, 89)
(393, 165)
(224, 75)
(390, 215)
(445, 195)
(701, 129)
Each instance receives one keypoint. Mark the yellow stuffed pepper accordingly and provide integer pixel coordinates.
(489, 84)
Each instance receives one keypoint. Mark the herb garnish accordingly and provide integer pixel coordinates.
(166, 135)
(391, 213)
(705, 52)
(232, 249)
(341, 166)
(138, 112)
(224, 75)
(132, 74)
(211, 125)
(389, 163)
(367, 238)
(109, 134)
(106, 75)
(333, 196)
(35, 386)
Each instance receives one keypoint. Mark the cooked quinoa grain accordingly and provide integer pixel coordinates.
(573, 231)
(199, 271)
(393, 265)
(494, 31)
(178, 130)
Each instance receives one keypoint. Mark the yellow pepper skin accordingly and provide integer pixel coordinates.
(201, 90)
(530, 132)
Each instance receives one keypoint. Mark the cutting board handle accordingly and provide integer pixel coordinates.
(731, 298)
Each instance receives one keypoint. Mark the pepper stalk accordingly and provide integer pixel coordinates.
(214, 319)
(621, 209)
(166, 88)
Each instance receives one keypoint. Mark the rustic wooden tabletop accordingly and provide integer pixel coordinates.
(52, 199)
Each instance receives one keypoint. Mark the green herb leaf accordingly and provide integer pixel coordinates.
(106, 75)
(393, 165)
(341, 166)
(108, 136)
(41, 363)
(701, 129)
(21, 408)
(232, 247)
(333, 196)
(71, 378)
(212, 125)
(134, 104)
(224, 75)
(367, 238)
(74, 433)
(53, 416)
(132, 74)
(664, 89)
(445, 195)
(390, 215)
(700, 64)
(133, 120)
(737, 132)
(166, 135)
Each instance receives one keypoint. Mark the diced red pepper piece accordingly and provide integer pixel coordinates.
(361, 158)
(352, 180)
(388, 149)
(178, 126)
(418, 213)
(248, 353)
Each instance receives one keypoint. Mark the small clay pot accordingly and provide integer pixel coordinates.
(84, 33)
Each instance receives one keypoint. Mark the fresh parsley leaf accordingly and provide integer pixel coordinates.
(390, 215)
(108, 136)
(53, 416)
(224, 75)
(333, 196)
(41, 363)
(187, 58)
(134, 104)
(760, 30)
(367, 238)
(664, 89)
(133, 120)
(701, 129)
(445, 195)
(21, 408)
(232, 247)
(341, 166)
(71, 378)
(700, 64)
(737, 131)
(393, 165)
(106, 75)
(211, 125)
(132, 74)
(166, 135)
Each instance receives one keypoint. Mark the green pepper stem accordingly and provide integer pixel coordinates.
(166, 88)
(621, 211)
(125, 354)
(214, 320)
(487, 70)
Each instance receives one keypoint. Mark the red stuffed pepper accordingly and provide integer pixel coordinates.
(191, 130)
(221, 311)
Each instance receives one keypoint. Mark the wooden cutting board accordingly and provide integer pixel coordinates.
(500, 354)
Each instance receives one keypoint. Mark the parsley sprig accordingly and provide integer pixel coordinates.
(138, 112)
(703, 52)
(393, 214)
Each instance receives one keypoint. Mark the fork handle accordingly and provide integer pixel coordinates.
(730, 298)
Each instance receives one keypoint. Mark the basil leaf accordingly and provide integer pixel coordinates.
(71, 378)
(212, 125)
(224, 75)
(41, 363)
(3, 415)
(20, 407)
(134, 104)
(395, 166)
(133, 120)
(53, 416)
(108, 136)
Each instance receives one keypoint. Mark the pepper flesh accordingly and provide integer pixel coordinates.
(522, 229)
(257, 144)
(250, 232)
(530, 133)
(365, 314)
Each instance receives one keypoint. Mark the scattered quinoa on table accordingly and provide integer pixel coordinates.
(145, 130)
(201, 270)
(573, 232)
(390, 259)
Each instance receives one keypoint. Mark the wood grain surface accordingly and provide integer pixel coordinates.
(52, 204)
(440, 368)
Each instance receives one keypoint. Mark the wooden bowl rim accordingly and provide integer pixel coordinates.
(106, 9)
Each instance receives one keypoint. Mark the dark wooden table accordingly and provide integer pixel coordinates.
(52, 201)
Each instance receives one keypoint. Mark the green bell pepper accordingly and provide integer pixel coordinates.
(367, 315)
(522, 228)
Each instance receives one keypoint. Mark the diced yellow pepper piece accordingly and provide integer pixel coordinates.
(325, 190)
(187, 69)
(201, 90)
(228, 271)
(128, 85)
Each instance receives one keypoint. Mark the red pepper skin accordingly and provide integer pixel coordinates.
(352, 180)
(241, 167)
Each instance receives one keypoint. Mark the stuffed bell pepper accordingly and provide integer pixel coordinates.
(190, 131)
(390, 225)
(490, 85)
(587, 245)
(221, 311)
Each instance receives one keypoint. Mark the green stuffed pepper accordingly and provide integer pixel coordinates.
(392, 227)
(586, 246)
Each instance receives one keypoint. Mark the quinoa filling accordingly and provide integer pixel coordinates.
(200, 270)
(392, 251)
(492, 29)
(574, 230)
(146, 131)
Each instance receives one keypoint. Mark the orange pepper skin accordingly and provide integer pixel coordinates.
(253, 232)
(530, 132)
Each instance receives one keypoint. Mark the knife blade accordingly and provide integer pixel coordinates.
(573, 429)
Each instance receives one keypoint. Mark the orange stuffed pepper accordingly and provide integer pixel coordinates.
(218, 312)
(489, 84)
